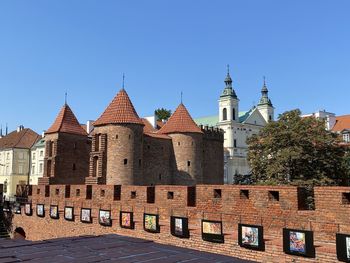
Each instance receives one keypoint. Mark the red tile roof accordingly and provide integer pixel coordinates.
(341, 123)
(25, 138)
(66, 122)
(180, 121)
(148, 126)
(120, 110)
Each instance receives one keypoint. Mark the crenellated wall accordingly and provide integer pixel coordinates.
(272, 207)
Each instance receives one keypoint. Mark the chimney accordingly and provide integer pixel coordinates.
(20, 128)
(89, 126)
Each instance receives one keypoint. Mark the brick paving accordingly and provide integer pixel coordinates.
(106, 248)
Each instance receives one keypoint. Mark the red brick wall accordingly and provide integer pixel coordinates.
(331, 215)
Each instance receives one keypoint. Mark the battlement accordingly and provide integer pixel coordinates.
(212, 133)
(272, 207)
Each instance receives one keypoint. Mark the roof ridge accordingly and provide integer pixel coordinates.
(26, 130)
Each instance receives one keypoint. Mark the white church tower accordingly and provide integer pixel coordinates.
(265, 106)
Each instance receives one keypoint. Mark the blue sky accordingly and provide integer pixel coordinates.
(165, 47)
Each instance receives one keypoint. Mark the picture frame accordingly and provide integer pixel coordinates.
(54, 214)
(104, 217)
(212, 231)
(69, 213)
(126, 220)
(179, 227)
(343, 247)
(28, 211)
(298, 242)
(40, 210)
(251, 236)
(151, 223)
(85, 215)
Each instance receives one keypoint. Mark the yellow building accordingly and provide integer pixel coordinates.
(15, 158)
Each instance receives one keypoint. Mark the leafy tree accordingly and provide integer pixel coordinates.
(162, 114)
(297, 151)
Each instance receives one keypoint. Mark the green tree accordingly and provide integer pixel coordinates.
(162, 114)
(297, 151)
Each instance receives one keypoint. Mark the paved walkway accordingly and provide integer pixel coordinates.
(107, 248)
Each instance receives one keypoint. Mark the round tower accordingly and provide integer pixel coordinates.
(187, 140)
(119, 134)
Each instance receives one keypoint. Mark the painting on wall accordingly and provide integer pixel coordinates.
(104, 217)
(40, 210)
(179, 227)
(151, 223)
(85, 215)
(251, 236)
(126, 220)
(298, 242)
(28, 209)
(212, 231)
(69, 213)
(54, 211)
(343, 247)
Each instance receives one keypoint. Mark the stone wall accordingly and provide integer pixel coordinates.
(272, 207)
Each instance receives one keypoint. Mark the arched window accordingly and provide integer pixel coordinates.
(224, 114)
(233, 114)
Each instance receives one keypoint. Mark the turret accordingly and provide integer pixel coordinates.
(120, 128)
(265, 105)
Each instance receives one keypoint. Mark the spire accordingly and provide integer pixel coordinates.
(65, 98)
(120, 110)
(66, 122)
(6, 129)
(264, 100)
(1, 131)
(180, 121)
(123, 81)
(228, 91)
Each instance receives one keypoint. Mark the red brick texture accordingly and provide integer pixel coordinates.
(332, 214)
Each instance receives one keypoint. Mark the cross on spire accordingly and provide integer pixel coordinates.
(181, 97)
(123, 80)
(65, 98)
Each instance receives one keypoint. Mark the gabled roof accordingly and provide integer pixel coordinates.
(25, 138)
(180, 121)
(120, 110)
(249, 114)
(148, 126)
(341, 123)
(66, 122)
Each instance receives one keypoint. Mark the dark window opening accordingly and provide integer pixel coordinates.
(117, 192)
(191, 196)
(234, 143)
(270, 117)
(67, 192)
(125, 161)
(129, 136)
(148, 147)
(47, 190)
(57, 191)
(151, 194)
(140, 162)
(170, 195)
(160, 176)
(233, 114)
(224, 114)
(133, 195)
(274, 196)
(217, 193)
(38, 191)
(244, 194)
(346, 198)
(188, 163)
(77, 192)
(178, 143)
(89, 192)
(103, 192)
(73, 167)
(116, 136)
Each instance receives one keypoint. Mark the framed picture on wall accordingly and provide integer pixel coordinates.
(28, 209)
(126, 219)
(212, 231)
(40, 210)
(85, 215)
(343, 247)
(151, 223)
(179, 227)
(69, 213)
(54, 211)
(298, 242)
(251, 236)
(104, 217)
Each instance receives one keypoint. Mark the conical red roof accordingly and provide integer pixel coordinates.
(120, 110)
(180, 121)
(66, 122)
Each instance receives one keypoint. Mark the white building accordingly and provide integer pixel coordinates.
(238, 126)
(329, 118)
(37, 161)
(15, 158)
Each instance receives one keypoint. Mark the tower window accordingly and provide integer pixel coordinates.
(270, 117)
(233, 114)
(140, 162)
(73, 167)
(234, 143)
(188, 163)
(224, 114)
(116, 136)
(125, 161)
(160, 176)
(178, 143)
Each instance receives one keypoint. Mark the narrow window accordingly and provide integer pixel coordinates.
(133, 195)
(188, 163)
(140, 162)
(125, 161)
(234, 143)
(170, 195)
(73, 167)
(77, 192)
(57, 191)
(224, 114)
(103, 192)
(233, 114)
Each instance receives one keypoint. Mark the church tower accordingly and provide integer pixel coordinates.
(265, 105)
(228, 113)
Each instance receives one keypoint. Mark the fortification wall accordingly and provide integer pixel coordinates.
(274, 208)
